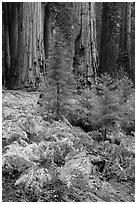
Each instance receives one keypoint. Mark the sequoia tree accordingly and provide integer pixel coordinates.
(85, 59)
(117, 39)
(127, 40)
(23, 50)
(110, 34)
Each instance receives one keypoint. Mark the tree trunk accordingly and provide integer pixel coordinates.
(126, 29)
(85, 58)
(123, 38)
(46, 30)
(110, 38)
(126, 40)
(24, 45)
(98, 11)
(129, 46)
(5, 44)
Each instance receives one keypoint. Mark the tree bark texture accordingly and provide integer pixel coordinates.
(109, 49)
(24, 45)
(85, 60)
(126, 42)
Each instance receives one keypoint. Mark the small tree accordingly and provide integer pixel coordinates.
(127, 104)
(60, 78)
(100, 105)
(109, 102)
(125, 87)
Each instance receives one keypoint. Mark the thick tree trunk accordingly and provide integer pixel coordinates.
(5, 44)
(109, 38)
(129, 47)
(126, 29)
(85, 59)
(129, 27)
(47, 29)
(123, 39)
(98, 11)
(24, 45)
(126, 40)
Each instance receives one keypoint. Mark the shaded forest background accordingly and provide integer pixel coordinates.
(98, 38)
(68, 76)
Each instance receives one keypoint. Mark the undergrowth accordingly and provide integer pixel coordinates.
(109, 103)
(63, 163)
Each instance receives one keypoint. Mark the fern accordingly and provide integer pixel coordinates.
(34, 179)
(79, 163)
(16, 159)
(105, 84)
(125, 87)
(38, 163)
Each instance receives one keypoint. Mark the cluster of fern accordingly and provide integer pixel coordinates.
(37, 164)
(46, 169)
(119, 161)
(57, 168)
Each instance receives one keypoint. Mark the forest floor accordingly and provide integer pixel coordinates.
(21, 115)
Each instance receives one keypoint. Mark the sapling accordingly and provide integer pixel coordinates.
(60, 77)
